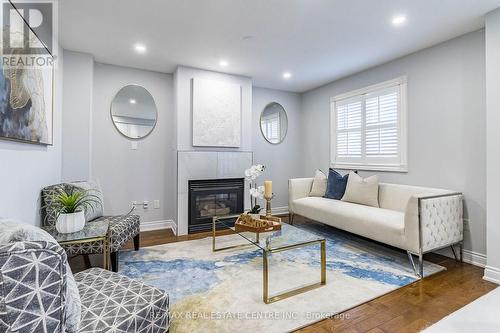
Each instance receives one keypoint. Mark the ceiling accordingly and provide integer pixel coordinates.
(318, 41)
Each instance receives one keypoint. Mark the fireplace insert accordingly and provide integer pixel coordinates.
(213, 197)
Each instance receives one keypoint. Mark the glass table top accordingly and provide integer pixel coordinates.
(287, 236)
(93, 229)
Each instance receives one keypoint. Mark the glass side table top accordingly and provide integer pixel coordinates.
(287, 236)
(92, 230)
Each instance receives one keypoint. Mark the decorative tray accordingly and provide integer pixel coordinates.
(264, 224)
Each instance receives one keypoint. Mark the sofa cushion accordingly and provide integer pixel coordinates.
(16, 231)
(318, 188)
(383, 225)
(92, 188)
(362, 191)
(115, 303)
(336, 185)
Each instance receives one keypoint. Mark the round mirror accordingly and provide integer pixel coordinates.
(133, 111)
(274, 123)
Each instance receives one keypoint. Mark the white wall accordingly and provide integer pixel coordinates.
(282, 161)
(492, 272)
(125, 174)
(77, 116)
(26, 168)
(446, 117)
(183, 99)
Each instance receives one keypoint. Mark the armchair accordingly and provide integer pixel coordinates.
(122, 228)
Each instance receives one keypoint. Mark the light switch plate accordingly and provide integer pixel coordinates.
(156, 204)
(133, 145)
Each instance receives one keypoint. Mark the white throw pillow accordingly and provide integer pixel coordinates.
(361, 191)
(319, 184)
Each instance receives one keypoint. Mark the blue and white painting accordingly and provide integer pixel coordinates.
(223, 291)
(26, 104)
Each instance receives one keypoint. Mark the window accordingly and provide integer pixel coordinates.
(271, 127)
(369, 128)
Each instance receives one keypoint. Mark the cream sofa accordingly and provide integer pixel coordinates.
(415, 219)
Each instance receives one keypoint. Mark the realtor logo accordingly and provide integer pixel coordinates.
(28, 33)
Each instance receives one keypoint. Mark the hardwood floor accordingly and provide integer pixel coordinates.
(408, 309)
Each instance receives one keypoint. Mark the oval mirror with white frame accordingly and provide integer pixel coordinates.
(133, 111)
(274, 123)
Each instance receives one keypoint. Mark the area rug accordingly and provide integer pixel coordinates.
(222, 292)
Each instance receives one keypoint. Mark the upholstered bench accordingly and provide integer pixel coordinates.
(37, 294)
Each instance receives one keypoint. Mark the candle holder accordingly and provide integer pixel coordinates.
(268, 206)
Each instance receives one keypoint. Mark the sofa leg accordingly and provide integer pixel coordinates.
(114, 261)
(420, 271)
(290, 217)
(421, 264)
(461, 250)
(137, 242)
(460, 256)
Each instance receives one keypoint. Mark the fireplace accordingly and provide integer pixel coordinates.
(213, 197)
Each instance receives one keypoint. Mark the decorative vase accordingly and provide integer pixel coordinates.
(68, 223)
(255, 216)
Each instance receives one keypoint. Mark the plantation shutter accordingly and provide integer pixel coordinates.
(369, 128)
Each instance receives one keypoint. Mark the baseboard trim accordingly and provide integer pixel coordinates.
(159, 225)
(280, 210)
(470, 257)
(492, 274)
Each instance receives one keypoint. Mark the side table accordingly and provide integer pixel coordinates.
(93, 233)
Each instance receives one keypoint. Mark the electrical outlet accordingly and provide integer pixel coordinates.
(156, 204)
(145, 204)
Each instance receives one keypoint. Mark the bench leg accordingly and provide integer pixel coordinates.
(86, 259)
(137, 242)
(114, 261)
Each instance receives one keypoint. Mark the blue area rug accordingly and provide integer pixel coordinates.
(222, 292)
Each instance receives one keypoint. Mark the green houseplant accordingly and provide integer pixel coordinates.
(68, 205)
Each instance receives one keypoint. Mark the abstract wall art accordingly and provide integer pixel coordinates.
(26, 104)
(216, 113)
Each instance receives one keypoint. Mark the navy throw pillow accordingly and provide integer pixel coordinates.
(336, 185)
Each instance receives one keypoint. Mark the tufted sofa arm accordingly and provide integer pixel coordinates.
(298, 188)
(32, 280)
(434, 221)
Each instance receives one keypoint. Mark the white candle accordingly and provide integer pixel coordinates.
(268, 189)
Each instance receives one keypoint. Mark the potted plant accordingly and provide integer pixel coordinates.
(69, 204)
(256, 192)
(255, 212)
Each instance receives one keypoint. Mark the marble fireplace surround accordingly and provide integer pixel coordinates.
(198, 165)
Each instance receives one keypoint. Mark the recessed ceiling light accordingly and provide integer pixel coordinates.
(140, 48)
(223, 63)
(287, 75)
(132, 101)
(398, 20)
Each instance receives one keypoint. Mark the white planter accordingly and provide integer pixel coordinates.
(68, 223)
(255, 216)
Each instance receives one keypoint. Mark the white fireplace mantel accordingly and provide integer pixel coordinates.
(198, 165)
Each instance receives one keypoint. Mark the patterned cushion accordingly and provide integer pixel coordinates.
(32, 287)
(93, 188)
(16, 231)
(47, 213)
(113, 302)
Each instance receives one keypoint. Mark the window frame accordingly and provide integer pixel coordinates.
(362, 163)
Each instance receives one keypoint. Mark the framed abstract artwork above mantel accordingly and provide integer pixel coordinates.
(216, 113)
(26, 104)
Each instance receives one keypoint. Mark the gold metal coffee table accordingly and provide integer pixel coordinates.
(288, 238)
